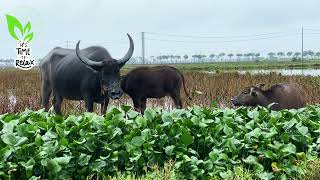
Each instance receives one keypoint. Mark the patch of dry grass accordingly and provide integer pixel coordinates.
(21, 89)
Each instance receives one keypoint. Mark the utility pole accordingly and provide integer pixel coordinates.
(142, 47)
(302, 44)
(67, 44)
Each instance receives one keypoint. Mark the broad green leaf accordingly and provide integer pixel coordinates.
(303, 130)
(289, 148)
(137, 141)
(142, 122)
(167, 118)
(227, 130)
(5, 153)
(186, 137)
(250, 160)
(169, 150)
(9, 139)
(53, 166)
(150, 114)
(21, 141)
(84, 159)
(63, 160)
(125, 108)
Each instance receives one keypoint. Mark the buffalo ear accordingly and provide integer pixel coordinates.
(260, 85)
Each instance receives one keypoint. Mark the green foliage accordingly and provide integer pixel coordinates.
(203, 142)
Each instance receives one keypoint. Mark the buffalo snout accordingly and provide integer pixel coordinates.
(116, 94)
(235, 102)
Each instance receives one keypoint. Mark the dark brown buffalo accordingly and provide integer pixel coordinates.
(153, 82)
(285, 95)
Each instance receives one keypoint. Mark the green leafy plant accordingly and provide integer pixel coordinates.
(14, 25)
(202, 142)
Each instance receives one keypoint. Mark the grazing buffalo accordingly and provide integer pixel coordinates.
(284, 95)
(89, 74)
(153, 82)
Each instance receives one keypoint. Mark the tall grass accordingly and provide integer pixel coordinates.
(21, 89)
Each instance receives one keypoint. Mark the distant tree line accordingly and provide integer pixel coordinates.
(225, 57)
(219, 57)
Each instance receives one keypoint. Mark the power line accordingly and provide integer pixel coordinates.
(217, 37)
(312, 29)
(227, 41)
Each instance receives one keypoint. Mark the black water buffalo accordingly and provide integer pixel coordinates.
(153, 82)
(285, 95)
(89, 74)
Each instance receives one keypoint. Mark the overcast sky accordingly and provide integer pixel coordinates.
(105, 23)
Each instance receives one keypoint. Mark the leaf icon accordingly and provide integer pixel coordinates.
(12, 24)
(28, 37)
(27, 28)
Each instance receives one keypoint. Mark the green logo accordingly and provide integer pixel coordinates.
(25, 31)
(23, 36)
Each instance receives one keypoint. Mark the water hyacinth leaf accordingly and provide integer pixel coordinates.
(167, 118)
(28, 166)
(136, 157)
(288, 148)
(142, 122)
(98, 165)
(8, 128)
(132, 114)
(84, 159)
(21, 141)
(5, 153)
(169, 150)
(53, 166)
(9, 139)
(137, 141)
(254, 114)
(255, 133)
(186, 137)
(63, 160)
(125, 108)
(303, 130)
(150, 114)
(227, 130)
(250, 160)
(289, 124)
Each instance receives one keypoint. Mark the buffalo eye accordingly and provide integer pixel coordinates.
(253, 93)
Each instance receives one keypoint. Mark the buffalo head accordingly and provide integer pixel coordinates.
(108, 71)
(250, 96)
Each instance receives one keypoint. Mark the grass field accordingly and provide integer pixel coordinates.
(246, 65)
(21, 89)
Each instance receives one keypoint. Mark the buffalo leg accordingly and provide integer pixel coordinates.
(45, 95)
(136, 104)
(89, 104)
(143, 105)
(104, 106)
(177, 101)
(57, 101)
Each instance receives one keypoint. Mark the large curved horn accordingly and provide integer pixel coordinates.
(126, 58)
(85, 60)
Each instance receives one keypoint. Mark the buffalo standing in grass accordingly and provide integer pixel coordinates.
(153, 82)
(284, 95)
(89, 74)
